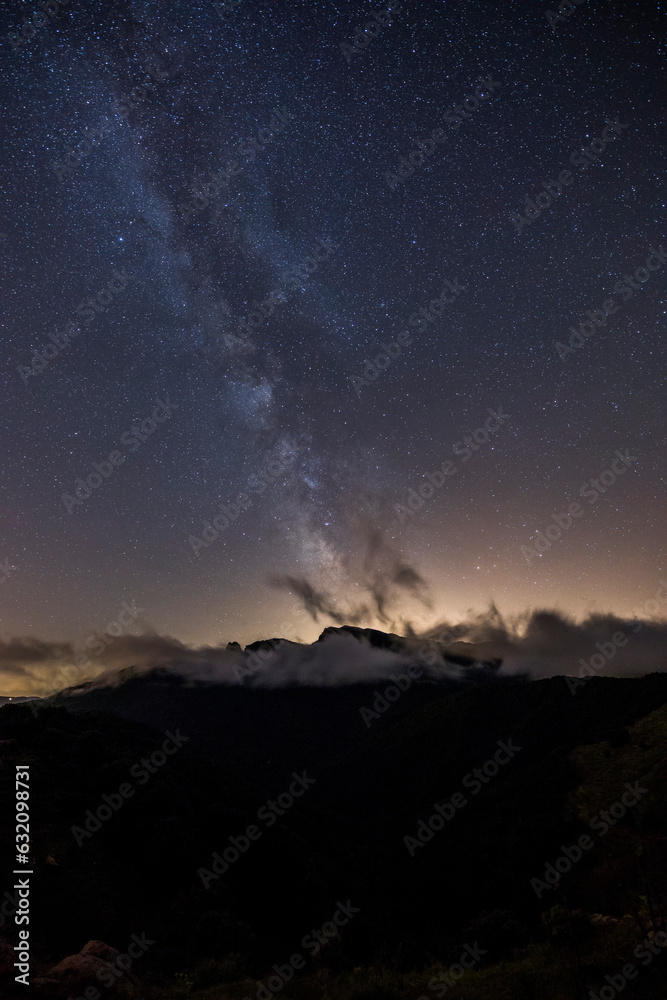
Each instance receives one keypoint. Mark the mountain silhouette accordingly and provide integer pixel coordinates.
(356, 776)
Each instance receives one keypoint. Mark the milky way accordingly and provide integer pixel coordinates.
(281, 279)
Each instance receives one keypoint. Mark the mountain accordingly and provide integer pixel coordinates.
(434, 813)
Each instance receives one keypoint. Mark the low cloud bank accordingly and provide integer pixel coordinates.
(546, 643)
(537, 644)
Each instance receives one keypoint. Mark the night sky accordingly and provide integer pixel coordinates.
(253, 219)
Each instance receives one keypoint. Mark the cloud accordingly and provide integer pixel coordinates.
(337, 657)
(544, 643)
(381, 574)
(316, 603)
(538, 644)
(26, 665)
(35, 668)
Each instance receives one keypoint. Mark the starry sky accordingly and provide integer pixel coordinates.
(239, 189)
